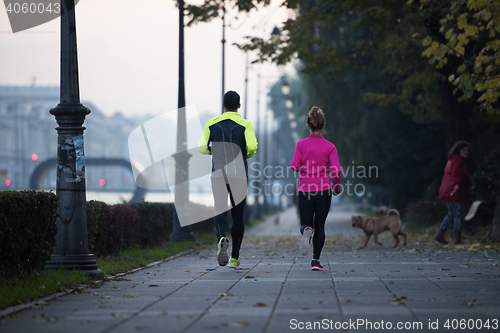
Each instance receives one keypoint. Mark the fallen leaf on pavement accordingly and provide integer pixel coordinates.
(78, 291)
(238, 324)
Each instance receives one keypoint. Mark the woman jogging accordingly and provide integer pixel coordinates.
(316, 159)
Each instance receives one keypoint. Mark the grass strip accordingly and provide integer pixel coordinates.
(136, 257)
(29, 286)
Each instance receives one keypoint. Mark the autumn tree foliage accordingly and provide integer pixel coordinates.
(469, 32)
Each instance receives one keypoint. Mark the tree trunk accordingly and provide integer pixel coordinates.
(455, 120)
(494, 233)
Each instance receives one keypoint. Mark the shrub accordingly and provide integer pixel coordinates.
(156, 223)
(113, 228)
(97, 218)
(27, 230)
(207, 225)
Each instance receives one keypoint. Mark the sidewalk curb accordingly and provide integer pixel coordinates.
(18, 308)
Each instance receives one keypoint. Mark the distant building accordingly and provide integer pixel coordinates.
(26, 128)
(28, 137)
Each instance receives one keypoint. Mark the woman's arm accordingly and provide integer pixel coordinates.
(335, 170)
(296, 163)
(457, 173)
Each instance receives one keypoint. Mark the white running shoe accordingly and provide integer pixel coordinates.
(222, 257)
(305, 242)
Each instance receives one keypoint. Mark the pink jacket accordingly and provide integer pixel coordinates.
(314, 158)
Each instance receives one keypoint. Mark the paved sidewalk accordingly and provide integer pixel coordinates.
(374, 289)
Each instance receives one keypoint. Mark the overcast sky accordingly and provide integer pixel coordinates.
(128, 56)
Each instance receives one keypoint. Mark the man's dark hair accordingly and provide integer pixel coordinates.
(231, 100)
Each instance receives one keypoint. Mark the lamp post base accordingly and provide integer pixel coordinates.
(83, 262)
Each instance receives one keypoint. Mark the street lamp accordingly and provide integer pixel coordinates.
(267, 147)
(275, 35)
(245, 213)
(246, 87)
(71, 251)
(257, 211)
(181, 156)
(223, 41)
(285, 87)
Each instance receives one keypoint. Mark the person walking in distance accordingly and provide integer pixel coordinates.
(230, 139)
(316, 159)
(453, 191)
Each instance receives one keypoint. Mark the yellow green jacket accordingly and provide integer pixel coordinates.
(231, 128)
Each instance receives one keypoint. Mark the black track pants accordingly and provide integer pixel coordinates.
(313, 210)
(238, 227)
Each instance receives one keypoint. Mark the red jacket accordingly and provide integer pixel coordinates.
(455, 173)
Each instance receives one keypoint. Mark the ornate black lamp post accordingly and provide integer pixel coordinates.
(71, 250)
(181, 156)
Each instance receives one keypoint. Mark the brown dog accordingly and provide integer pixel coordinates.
(376, 225)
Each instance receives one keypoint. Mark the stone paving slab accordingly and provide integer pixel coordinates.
(374, 289)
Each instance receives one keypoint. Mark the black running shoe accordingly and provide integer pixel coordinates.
(315, 265)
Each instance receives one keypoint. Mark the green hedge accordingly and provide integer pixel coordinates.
(113, 228)
(27, 230)
(206, 225)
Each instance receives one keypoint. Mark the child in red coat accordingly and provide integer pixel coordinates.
(453, 191)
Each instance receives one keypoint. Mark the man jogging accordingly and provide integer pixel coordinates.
(230, 139)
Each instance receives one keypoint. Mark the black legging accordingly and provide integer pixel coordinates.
(238, 227)
(313, 210)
